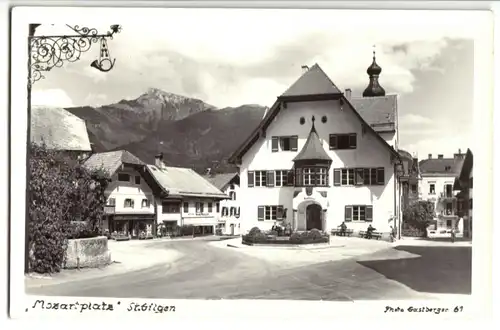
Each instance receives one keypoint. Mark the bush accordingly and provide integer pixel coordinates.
(81, 229)
(273, 233)
(254, 231)
(314, 234)
(419, 214)
(60, 191)
(413, 232)
(295, 238)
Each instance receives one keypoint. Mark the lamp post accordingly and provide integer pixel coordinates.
(48, 52)
(399, 174)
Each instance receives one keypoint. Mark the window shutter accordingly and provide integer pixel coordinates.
(250, 179)
(294, 143)
(270, 178)
(333, 141)
(279, 212)
(260, 213)
(274, 144)
(366, 176)
(336, 177)
(359, 176)
(348, 214)
(369, 213)
(132, 203)
(290, 178)
(352, 141)
(380, 175)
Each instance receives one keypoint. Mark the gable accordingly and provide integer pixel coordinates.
(313, 82)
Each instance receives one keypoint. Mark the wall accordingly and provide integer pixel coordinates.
(123, 190)
(87, 253)
(230, 220)
(439, 182)
(370, 152)
(190, 217)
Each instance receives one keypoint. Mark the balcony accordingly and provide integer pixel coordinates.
(447, 196)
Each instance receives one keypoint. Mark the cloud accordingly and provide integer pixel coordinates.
(439, 144)
(96, 100)
(51, 98)
(252, 56)
(414, 119)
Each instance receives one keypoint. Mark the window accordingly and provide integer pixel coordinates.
(343, 141)
(185, 207)
(358, 213)
(449, 208)
(145, 203)
(231, 186)
(470, 204)
(225, 212)
(447, 168)
(210, 206)
(414, 188)
(124, 177)
(358, 176)
(270, 212)
(137, 179)
(284, 143)
(315, 176)
(281, 178)
(232, 211)
(432, 188)
(171, 207)
(260, 178)
(448, 189)
(232, 195)
(199, 207)
(448, 224)
(111, 202)
(470, 183)
(129, 203)
(217, 207)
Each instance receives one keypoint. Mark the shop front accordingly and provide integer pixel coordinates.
(132, 224)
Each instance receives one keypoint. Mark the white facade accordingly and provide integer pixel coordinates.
(229, 216)
(129, 194)
(188, 211)
(369, 153)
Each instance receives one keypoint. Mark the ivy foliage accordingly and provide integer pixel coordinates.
(66, 200)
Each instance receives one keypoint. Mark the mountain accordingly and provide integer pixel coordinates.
(204, 139)
(127, 121)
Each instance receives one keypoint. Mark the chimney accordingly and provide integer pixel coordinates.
(159, 160)
(440, 156)
(305, 68)
(348, 92)
(460, 155)
(430, 156)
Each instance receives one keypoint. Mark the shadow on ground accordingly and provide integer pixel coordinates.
(439, 269)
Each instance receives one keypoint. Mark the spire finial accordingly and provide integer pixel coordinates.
(313, 119)
(374, 49)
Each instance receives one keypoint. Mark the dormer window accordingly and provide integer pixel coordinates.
(447, 168)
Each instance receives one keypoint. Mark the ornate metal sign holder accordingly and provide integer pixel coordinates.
(48, 52)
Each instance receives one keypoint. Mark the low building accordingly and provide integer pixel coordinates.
(130, 195)
(438, 177)
(229, 215)
(410, 180)
(58, 129)
(188, 199)
(463, 184)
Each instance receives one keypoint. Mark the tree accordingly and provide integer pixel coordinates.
(60, 191)
(419, 214)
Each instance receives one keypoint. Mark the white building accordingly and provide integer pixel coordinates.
(187, 199)
(130, 203)
(438, 177)
(229, 215)
(320, 157)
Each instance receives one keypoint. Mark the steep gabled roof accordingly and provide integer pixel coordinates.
(184, 182)
(278, 105)
(111, 161)
(58, 129)
(313, 82)
(313, 148)
(466, 166)
(220, 180)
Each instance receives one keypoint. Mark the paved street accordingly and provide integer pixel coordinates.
(206, 271)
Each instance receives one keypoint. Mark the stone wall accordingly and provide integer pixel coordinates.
(87, 253)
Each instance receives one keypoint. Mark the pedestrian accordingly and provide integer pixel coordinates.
(393, 234)
(453, 232)
(343, 229)
(369, 231)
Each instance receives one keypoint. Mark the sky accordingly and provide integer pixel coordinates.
(232, 57)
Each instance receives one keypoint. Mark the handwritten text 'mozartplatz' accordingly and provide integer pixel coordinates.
(423, 309)
(78, 306)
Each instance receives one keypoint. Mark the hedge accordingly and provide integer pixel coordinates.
(255, 236)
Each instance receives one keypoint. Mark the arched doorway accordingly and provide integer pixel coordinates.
(313, 217)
